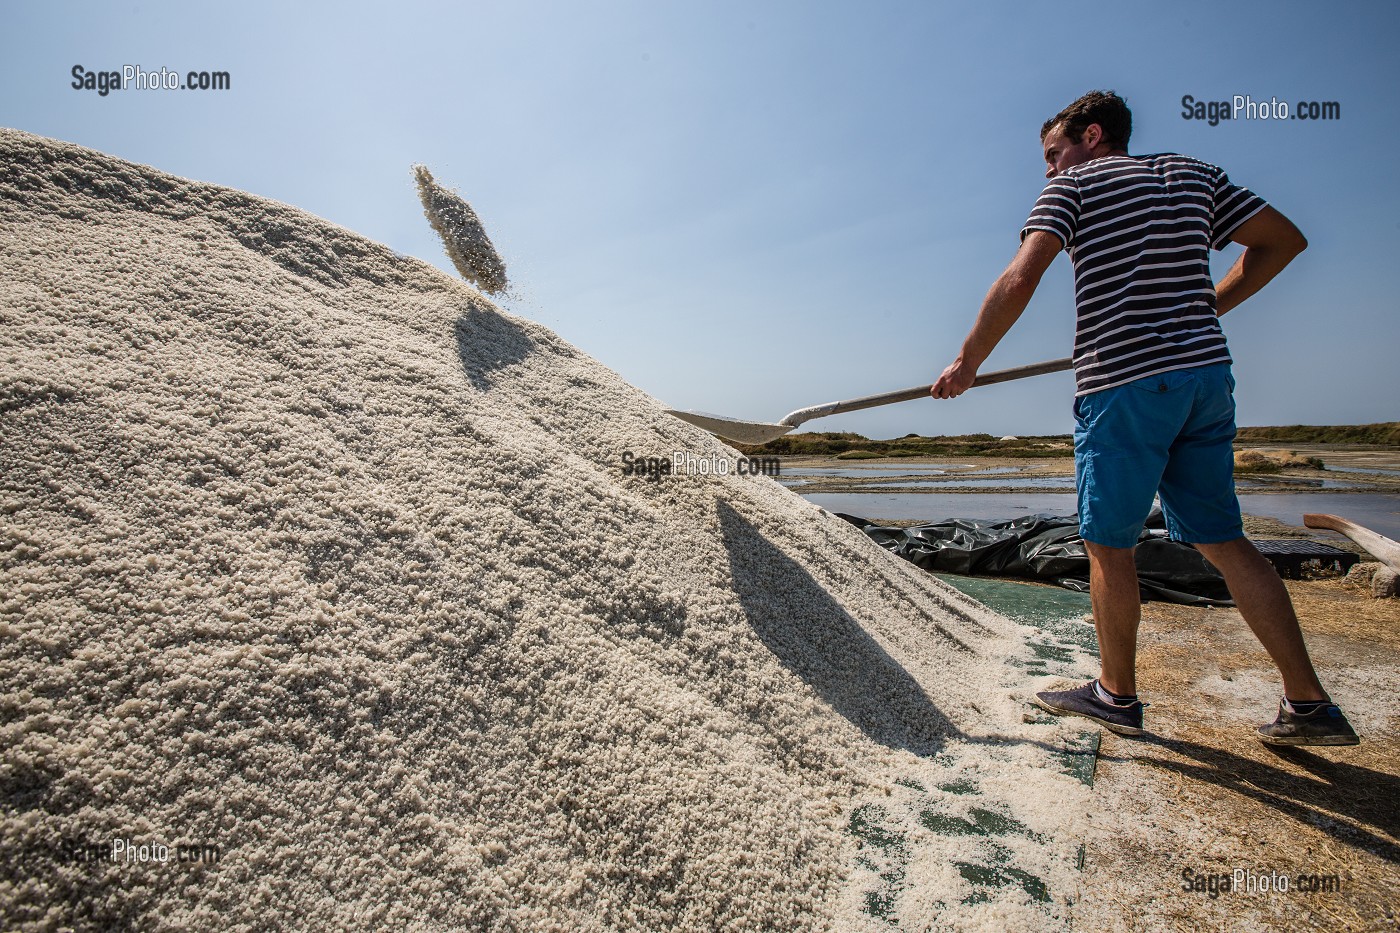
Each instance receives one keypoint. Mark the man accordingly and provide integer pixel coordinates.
(1154, 405)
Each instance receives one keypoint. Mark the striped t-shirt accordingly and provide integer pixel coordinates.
(1139, 230)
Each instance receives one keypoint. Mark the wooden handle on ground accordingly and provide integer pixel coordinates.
(1378, 545)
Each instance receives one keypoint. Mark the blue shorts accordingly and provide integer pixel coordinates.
(1172, 435)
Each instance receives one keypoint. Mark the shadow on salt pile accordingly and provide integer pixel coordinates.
(478, 332)
(818, 641)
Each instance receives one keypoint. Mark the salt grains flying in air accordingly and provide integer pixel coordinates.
(462, 234)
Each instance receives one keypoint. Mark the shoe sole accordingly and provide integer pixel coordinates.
(1111, 726)
(1295, 740)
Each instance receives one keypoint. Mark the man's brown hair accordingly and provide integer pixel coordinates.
(1102, 107)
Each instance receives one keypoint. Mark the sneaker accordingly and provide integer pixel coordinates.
(1125, 719)
(1323, 726)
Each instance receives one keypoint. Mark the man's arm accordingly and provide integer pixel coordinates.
(1001, 308)
(1270, 242)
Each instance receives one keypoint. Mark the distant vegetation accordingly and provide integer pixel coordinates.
(1387, 433)
(849, 446)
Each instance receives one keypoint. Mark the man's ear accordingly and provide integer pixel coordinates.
(1093, 135)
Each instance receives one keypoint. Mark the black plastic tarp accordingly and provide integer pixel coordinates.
(1048, 547)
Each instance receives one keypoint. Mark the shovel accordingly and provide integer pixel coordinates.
(761, 432)
(1378, 545)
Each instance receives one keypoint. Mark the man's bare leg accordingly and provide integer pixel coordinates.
(1263, 601)
(1113, 590)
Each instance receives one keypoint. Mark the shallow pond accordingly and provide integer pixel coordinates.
(863, 472)
(957, 482)
(1315, 483)
(1341, 469)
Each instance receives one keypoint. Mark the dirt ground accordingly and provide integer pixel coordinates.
(1201, 825)
(1200, 796)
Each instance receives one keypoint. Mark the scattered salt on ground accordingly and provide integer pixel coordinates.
(463, 236)
(311, 553)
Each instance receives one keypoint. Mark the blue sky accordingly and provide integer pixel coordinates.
(747, 208)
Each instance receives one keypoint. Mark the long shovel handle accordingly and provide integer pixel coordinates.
(1377, 544)
(906, 395)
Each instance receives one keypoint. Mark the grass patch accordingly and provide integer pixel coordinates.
(1273, 461)
(1386, 434)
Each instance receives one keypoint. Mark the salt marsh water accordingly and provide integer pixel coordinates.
(925, 470)
(1024, 482)
(1342, 469)
(1378, 511)
(1317, 483)
(864, 472)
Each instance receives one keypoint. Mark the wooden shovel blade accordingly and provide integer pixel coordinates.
(732, 429)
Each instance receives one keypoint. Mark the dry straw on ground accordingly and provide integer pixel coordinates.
(310, 552)
(1273, 461)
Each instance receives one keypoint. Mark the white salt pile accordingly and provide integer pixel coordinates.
(463, 236)
(311, 554)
